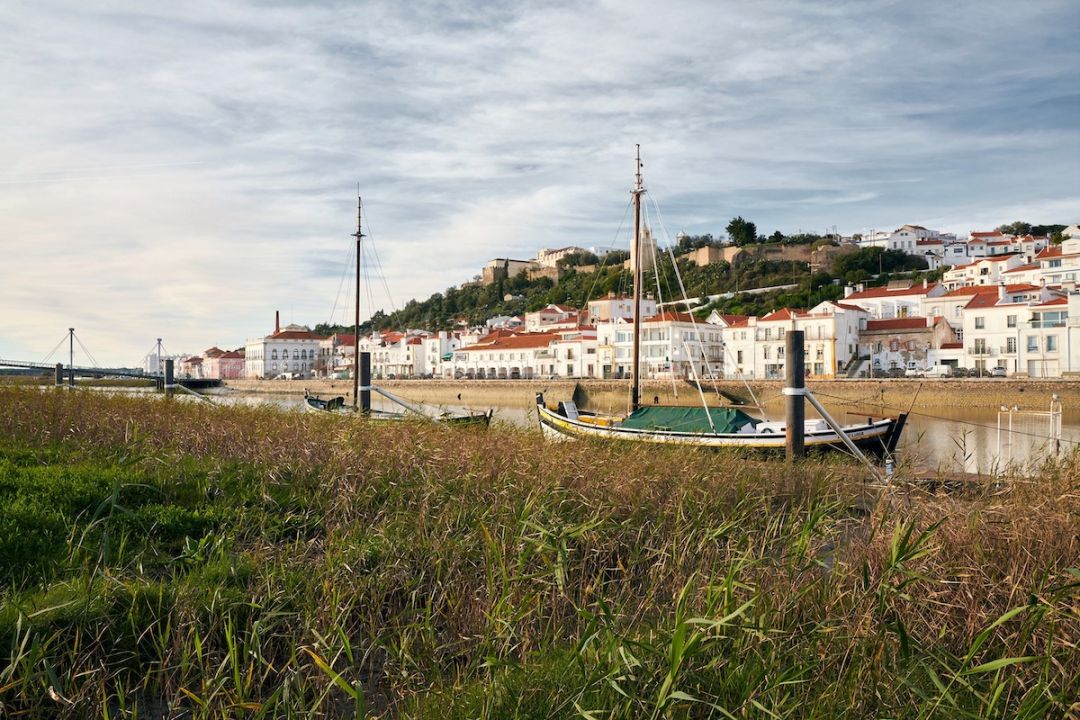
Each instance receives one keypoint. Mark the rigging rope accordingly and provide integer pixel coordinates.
(46, 359)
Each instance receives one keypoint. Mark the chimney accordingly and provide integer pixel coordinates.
(1001, 292)
(848, 291)
(925, 284)
(277, 321)
(860, 287)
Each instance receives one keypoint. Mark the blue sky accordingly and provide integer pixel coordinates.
(183, 171)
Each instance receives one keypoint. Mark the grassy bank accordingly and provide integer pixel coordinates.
(176, 559)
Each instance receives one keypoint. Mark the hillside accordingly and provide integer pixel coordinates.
(472, 304)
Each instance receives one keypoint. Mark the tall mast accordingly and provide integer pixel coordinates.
(356, 317)
(635, 372)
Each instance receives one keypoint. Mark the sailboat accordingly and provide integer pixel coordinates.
(362, 387)
(710, 427)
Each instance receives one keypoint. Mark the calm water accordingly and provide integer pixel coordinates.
(946, 439)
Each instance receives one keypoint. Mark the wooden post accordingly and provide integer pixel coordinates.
(365, 382)
(794, 371)
(59, 373)
(170, 380)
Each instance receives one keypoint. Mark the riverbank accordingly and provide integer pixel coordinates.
(172, 559)
(890, 395)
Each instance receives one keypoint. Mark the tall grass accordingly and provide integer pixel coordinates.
(162, 558)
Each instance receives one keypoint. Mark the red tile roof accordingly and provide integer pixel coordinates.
(516, 342)
(1049, 251)
(1023, 268)
(671, 316)
(1055, 301)
(908, 323)
(979, 289)
(781, 314)
(736, 320)
(294, 335)
(232, 355)
(952, 346)
(987, 234)
(848, 307)
(878, 292)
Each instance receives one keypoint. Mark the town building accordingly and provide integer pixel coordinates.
(896, 300)
(290, 352)
(673, 345)
(549, 258)
(901, 343)
(503, 268)
(618, 306)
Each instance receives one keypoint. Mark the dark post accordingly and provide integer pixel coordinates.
(59, 373)
(170, 379)
(794, 367)
(71, 357)
(365, 382)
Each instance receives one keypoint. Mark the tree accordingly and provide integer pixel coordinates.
(741, 231)
(1016, 228)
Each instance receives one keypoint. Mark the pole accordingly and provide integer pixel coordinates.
(635, 368)
(170, 379)
(357, 369)
(59, 373)
(795, 421)
(365, 382)
(71, 357)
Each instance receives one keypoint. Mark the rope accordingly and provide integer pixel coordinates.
(596, 275)
(88, 354)
(46, 359)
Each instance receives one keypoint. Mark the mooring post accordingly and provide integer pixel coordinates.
(59, 373)
(365, 382)
(170, 380)
(794, 370)
(71, 357)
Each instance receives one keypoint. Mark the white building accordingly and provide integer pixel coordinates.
(291, 352)
(1033, 338)
(673, 345)
(896, 300)
(507, 356)
(831, 337)
(551, 317)
(618, 306)
(984, 271)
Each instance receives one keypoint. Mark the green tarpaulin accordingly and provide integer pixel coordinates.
(688, 419)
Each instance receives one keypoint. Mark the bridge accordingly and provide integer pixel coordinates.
(70, 372)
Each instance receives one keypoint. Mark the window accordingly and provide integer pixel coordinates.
(766, 352)
(1010, 345)
(738, 357)
(980, 323)
(1051, 343)
(273, 354)
(1033, 343)
(1010, 321)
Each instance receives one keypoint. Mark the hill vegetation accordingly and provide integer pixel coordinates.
(473, 303)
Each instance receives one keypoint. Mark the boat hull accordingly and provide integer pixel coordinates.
(876, 437)
(315, 404)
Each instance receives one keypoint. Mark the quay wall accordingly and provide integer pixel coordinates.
(611, 394)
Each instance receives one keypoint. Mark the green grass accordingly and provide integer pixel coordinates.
(161, 558)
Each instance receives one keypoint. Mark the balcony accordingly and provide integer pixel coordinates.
(981, 351)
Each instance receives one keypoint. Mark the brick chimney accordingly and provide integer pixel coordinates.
(277, 321)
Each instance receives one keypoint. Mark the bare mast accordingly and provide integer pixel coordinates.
(635, 371)
(356, 317)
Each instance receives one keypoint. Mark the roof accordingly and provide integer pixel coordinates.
(952, 346)
(986, 234)
(213, 352)
(781, 314)
(671, 316)
(990, 289)
(1055, 301)
(878, 292)
(844, 306)
(736, 320)
(1024, 268)
(1049, 251)
(984, 300)
(908, 323)
(231, 355)
(520, 341)
(294, 335)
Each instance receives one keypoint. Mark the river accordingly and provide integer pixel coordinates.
(945, 440)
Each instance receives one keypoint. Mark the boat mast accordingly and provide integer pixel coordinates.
(356, 317)
(635, 372)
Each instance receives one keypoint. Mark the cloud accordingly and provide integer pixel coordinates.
(183, 171)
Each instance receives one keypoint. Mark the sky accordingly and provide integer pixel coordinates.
(183, 170)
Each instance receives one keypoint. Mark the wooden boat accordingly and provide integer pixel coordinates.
(702, 426)
(731, 428)
(337, 405)
(362, 387)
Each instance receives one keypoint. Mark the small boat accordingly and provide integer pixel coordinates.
(362, 372)
(730, 428)
(707, 427)
(338, 405)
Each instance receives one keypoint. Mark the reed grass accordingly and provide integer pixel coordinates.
(160, 558)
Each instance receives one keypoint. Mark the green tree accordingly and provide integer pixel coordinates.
(741, 231)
